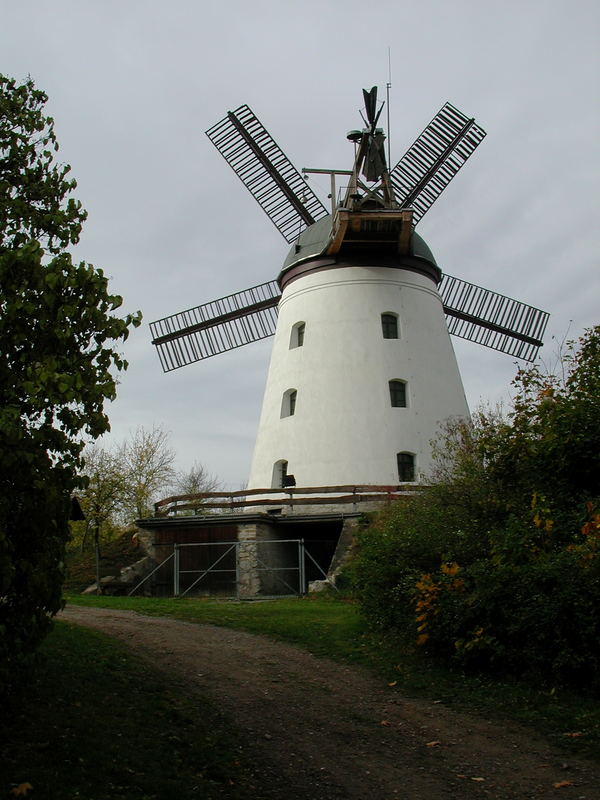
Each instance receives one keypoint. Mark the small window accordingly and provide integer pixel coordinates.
(406, 467)
(398, 394)
(389, 326)
(288, 403)
(297, 337)
(279, 474)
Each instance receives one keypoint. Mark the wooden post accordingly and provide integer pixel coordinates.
(97, 552)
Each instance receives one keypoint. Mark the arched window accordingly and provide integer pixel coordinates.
(389, 325)
(279, 474)
(281, 477)
(406, 467)
(297, 337)
(398, 394)
(288, 403)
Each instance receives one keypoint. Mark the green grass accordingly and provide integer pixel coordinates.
(334, 628)
(325, 627)
(101, 723)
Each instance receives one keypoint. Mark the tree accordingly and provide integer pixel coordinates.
(33, 188)
(57, 365)
(148, 467)
(551, 444)
(195, 481)
(102, 497)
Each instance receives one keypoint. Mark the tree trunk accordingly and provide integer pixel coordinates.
(86, 531)
(97, 550)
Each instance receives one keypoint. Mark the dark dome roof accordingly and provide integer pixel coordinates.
(420, 249)
(312, 241)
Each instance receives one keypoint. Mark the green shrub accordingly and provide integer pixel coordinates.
(497, 565)
(403, 541)
(515, 601)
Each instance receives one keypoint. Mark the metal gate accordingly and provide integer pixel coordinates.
(244, 569)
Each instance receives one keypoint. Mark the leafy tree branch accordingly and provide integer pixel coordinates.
(58, 339)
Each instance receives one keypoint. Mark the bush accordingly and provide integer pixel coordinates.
(497, 565)
(506, 601)
(399, 544)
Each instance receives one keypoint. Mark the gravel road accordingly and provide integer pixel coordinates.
(318, 730)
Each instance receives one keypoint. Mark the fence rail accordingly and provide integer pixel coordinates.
(289, 497)
(266, 570)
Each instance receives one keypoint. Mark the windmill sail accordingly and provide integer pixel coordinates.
(428, 166)
(216, 327)
(472, 313)
(491, 319)
(433, 159)
(267, 173)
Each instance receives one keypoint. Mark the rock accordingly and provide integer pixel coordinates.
(126, 580)
(319, 586)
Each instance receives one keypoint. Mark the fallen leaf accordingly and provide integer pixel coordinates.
(21, 790)
(433, 744)
(393, 683)
(385, 723)
(574, 735)
(562, 784)
(479, 780)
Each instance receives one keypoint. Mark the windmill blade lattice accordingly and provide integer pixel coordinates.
(428, 166)
(492, 319)
(433, 159)
(472, 312)
(216, 327)
(266, 171)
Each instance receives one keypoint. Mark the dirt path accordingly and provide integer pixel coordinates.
(318, 730)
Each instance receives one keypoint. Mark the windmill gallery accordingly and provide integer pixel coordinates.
(362, 368)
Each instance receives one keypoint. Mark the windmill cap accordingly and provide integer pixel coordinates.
(420, 249)
(312, 242)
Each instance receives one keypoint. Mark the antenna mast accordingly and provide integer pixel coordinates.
(388, 86)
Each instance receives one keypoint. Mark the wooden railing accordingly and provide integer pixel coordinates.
(288, 498)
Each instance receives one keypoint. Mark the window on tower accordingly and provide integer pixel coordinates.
(406, 467)
(288, 403)
(279, 474)
(389, 326)
(297, 337)
(398, 394)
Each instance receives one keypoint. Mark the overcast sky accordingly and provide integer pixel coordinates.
(133, 85)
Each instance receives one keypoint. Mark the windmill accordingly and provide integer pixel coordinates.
(362, 369)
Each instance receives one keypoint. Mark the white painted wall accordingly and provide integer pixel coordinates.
(344, 429)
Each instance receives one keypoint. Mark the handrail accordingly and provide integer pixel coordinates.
(288, 496)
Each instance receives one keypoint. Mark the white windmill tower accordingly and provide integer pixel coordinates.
(362, 369)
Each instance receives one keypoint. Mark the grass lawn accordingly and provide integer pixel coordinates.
(99, 723)
(334, 628)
